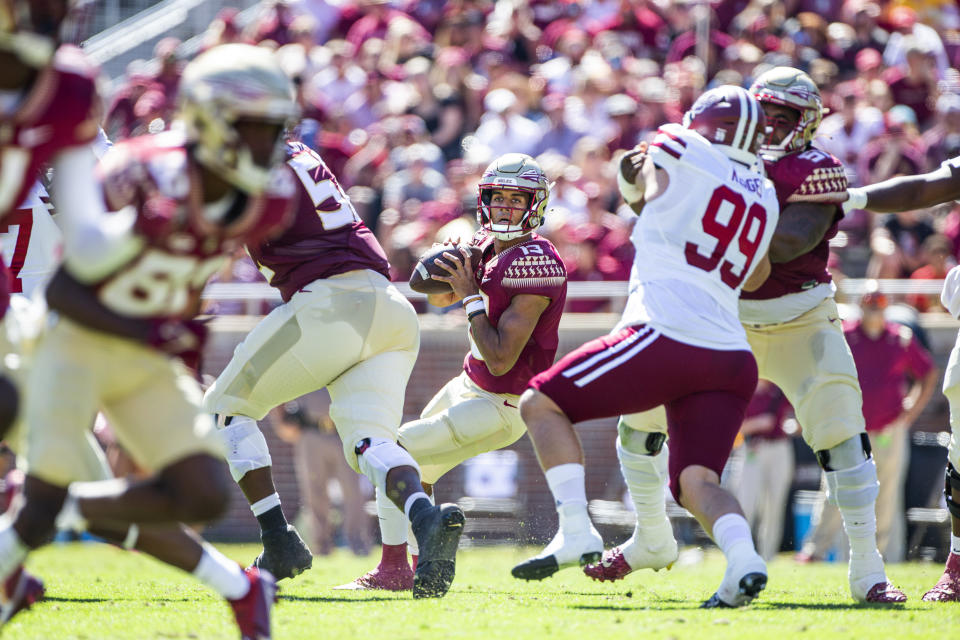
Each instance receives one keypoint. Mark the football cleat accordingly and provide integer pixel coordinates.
(564, 551)
(868, 580)
(437, 530)
(885, 593)
(20, 591)
(947, 588)
(613, 566)
(252, 611)
(285, 554)
(384, 577)
(749, 588)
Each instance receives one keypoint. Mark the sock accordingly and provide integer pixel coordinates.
(393, 525)
(416, 503)
(269, 513)
(954, 545)
(860, 523)
(567, 483)
(392, 555)
(412, 544)
(731, 532)
(221, 574)
(12, 550)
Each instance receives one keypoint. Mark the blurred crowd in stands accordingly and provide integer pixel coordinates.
(407, 101)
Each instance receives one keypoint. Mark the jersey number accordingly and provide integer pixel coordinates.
(321, 191)
(158, 284)
(725, 229)
(21, 222)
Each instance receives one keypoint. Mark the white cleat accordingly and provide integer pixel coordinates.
(564, 551)
(647, 549)
(740, 585)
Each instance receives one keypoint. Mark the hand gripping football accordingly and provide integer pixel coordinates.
(421, 280)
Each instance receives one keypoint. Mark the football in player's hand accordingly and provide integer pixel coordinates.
(421, 280)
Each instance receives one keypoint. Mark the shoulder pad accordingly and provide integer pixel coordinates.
(70, 59)
(810, 176)
(533, 265)
(669, 142)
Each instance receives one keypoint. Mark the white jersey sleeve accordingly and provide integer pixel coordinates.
(703, 236)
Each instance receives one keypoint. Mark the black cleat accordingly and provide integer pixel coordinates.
(285, 554)
(438, 532)
(750, 587)
(543, 567)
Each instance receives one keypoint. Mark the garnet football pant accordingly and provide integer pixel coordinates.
(460, 422)
(353, 333)
(808, 358)
(705, 391)
(151, 401)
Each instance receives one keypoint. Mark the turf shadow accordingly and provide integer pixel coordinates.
(293, 598)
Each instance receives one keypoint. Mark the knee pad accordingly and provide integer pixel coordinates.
(376, 456)
(246, 447)
(644, 443)
(850, 453)
(952, 481)
(854, 487)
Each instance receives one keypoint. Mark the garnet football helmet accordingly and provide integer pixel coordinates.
(517, 172)
(222, 86)
(791, 88)
(731, 119)
(32, 29)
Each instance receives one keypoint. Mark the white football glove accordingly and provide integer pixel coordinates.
(950, 296)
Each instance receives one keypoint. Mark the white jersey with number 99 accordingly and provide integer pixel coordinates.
(698, 242)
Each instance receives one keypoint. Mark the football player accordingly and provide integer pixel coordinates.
(794, 331)
(906, 194)
(345, 327)
(49, 115)
(513, 298)
(172, 208)
(708, 214)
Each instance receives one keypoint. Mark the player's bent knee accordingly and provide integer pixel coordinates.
(377, 456)
(850, 453)
(644, 443)
(246, 447)
(534, 403)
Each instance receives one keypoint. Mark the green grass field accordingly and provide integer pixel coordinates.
(97, 592)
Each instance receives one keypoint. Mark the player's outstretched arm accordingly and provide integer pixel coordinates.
(906, 192)
(800, 229)
(501, 345)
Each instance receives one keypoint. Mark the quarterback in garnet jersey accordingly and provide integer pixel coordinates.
(345, 327)
(513, 298)
(794, 330)
(172, 207)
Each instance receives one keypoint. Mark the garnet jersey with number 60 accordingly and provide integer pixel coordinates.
(326, 237)
(163, 260)
(532, 267)
(809, 176)
(698, 242)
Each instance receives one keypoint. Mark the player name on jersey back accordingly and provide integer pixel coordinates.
(699, 241)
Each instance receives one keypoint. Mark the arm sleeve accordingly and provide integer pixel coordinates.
(919, 361)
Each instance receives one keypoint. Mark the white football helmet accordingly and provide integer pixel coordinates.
(228, 83)
(518, 172)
